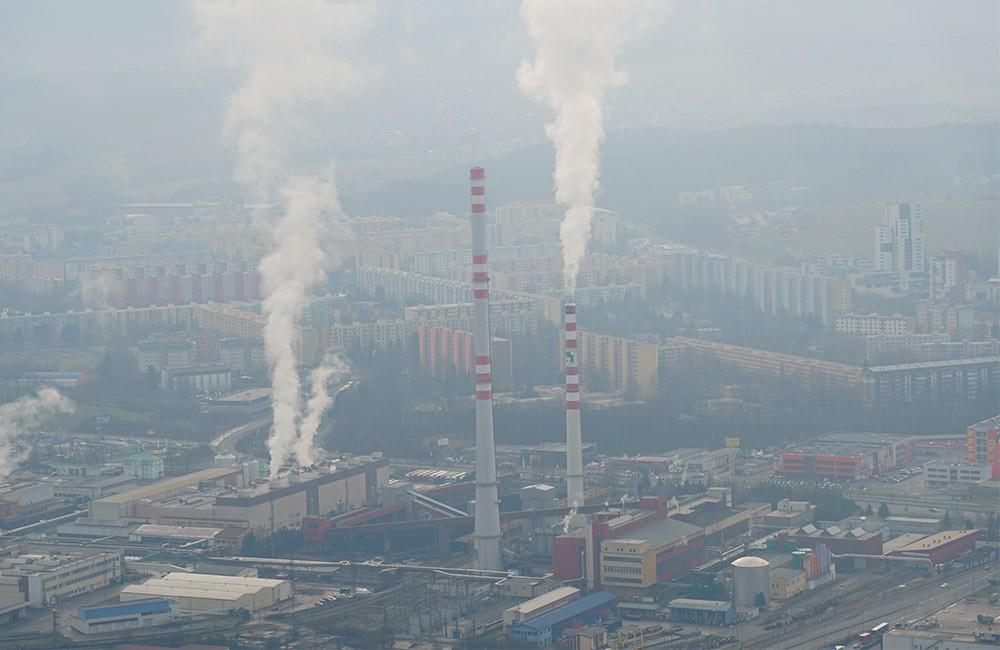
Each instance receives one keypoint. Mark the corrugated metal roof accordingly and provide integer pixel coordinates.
(169, 485)
(219, 579)
(662, 532)
(178, 591)
(567, 611)
(548, 597)
(694, 603)
(147, 606)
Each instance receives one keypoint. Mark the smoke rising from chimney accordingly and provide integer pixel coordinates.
(25, 413)
(577, 42)
(287, 54)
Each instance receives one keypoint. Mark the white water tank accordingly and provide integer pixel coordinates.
(751, 576)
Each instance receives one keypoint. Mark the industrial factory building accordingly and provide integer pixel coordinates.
(845, 456)
(702, 612)
(539, 605)
(130, 615)
(199, 592)
(550, 627)
(123, 504)
(53, 575)
(212, 503)
(941, 547)
(655, 552)
(839, 541)
(629, 550)
(252, 402)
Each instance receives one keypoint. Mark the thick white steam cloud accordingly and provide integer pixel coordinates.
(577, 43)
(287, 54)
(19, 416)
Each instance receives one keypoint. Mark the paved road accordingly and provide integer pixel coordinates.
(901, 505)
(891, 606)
(225, 442)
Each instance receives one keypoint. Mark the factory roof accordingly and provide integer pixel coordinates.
(176, 591)
(846, 444)
(27, 563)
(932, 542)
(662, 532)
(263, 492)
(545, 599)
(248, 395)
(575, 608)
(218, 579)
(178, 532)
(197, 370)
(902, 541)
(168, 485)
(784, 572)
(913, 520)
(696, 603)
(145, 606)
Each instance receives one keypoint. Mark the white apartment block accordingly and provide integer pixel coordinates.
(872, 324)
(899, 242)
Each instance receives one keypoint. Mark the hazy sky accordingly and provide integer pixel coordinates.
(121, 79)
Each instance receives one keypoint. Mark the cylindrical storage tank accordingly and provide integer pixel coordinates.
(750, 578)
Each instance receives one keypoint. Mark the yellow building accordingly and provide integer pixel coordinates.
(628, 564)
(785, 583)
(630, 366)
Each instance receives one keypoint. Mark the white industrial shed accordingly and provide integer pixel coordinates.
(197, 592)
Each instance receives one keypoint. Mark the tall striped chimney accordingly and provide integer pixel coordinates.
(574, 440)
(486, 535)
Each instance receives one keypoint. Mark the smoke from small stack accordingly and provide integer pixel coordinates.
(574, 436)
(486, 533)
(286, 52)
(577, 43)
(19, 416)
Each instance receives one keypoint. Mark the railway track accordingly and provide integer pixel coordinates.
(849, 614)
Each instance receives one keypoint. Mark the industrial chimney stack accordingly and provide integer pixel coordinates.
(487, 526)
(574, 441)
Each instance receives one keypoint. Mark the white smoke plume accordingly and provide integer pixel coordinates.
(287, 53)
(19, 416)
(577, 43)
(333, 368)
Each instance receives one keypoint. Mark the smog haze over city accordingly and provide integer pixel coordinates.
(580, 324)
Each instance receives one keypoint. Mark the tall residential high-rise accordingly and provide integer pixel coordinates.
(486, 532)
(899, 243)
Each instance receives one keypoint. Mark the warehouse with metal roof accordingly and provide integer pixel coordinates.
(199, 592)
(547, 628)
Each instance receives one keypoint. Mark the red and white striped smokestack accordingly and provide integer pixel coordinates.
(486, 534)
(574, 439)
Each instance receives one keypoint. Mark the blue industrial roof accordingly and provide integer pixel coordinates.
(145, 606)
(569, 610)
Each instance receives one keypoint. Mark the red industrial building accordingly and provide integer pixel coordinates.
(678, 546)
(845, 455)
(941, 547)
